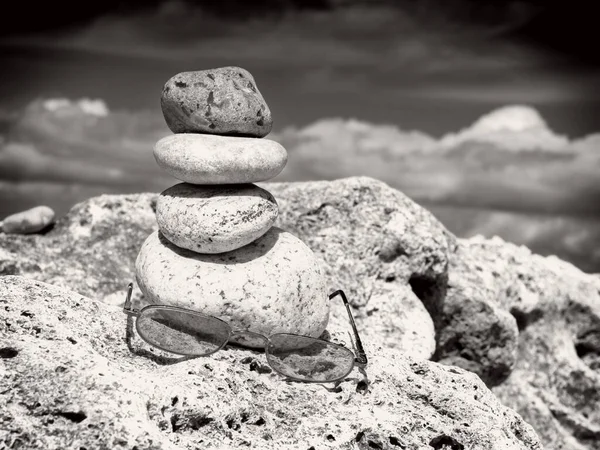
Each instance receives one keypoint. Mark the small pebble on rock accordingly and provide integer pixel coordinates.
(30, 221)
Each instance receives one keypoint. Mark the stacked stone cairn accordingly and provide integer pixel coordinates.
(216, 250)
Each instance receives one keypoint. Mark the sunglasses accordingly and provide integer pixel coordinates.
(301, 358)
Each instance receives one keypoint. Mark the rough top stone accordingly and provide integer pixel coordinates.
(223, 101)
(215, 219)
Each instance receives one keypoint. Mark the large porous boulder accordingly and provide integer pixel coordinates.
(527, 325)
(383, 249)
(75, 375)
(374, 239)
(474, 330)
(381, 240)
(92, 250)
(555, 380)
(272, 285)
(368, 234)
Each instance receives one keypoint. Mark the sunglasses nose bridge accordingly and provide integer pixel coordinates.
(249, 338)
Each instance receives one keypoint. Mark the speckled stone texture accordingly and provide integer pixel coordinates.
(404, 273)
(555, 379)
(91, 250)
(222, 101)
(206, 159)
(31, 221)
(75, 375)
(273, 285)
(215, 219)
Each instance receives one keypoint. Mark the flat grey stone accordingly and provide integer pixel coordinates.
(273, 285)
(215, 219)
(216, 101)
(207, 159)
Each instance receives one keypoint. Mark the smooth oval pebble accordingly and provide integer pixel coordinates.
(222, 101)
(215, 219)
(272, 285)
(29, 221)
(207, 159)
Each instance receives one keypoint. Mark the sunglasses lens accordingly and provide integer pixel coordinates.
(182, 332)
(308, 359)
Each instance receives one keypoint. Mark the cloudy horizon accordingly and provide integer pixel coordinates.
(507, 174)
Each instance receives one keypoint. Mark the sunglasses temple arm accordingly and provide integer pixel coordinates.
(362, 356)
(127, 307)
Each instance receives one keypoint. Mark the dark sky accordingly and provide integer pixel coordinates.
(431, 65)
(559, 27)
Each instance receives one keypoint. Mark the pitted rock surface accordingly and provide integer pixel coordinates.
(273, 285)
(225, 101)
(76, 375)
(215, 219)
(394, 317)
(386, 240)
(555, 381)
(554, 376)
(474, 331)
(368, 234)
(91, 250)
(206, 159)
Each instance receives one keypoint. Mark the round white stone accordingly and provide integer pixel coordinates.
(273, 285)
(217, 218)
(210, 159)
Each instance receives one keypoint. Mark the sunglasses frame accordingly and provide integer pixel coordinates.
(359, 358)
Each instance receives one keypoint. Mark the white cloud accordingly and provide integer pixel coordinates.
(543, 195)
(588, 146)
(514, 128)
(25, 162)
(64, 106)
(76, 147)
(359, 138)
(509, 159)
